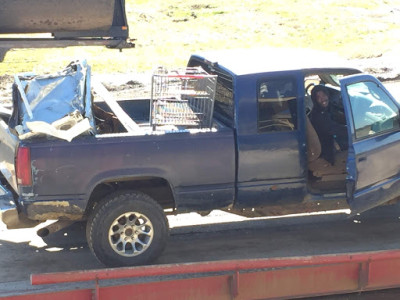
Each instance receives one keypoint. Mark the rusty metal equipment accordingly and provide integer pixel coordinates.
(64, 19)
(182, 98)
(276, 278)
(63, 23)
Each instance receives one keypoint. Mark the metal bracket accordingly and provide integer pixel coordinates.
(234, 284)
(363, 278)
(96, 291)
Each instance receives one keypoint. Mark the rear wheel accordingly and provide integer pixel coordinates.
(127, 229)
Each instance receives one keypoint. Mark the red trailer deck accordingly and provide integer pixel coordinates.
(277, 278)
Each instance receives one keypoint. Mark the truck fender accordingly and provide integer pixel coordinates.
(128, 175)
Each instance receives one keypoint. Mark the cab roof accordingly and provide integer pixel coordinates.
(262, 60)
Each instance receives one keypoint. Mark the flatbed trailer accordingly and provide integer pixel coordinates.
(276, 278)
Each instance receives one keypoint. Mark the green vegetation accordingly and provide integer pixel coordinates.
(168, 31)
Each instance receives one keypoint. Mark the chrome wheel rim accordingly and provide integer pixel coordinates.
(130, 234)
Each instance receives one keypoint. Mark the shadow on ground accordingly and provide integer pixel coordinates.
(67, 250)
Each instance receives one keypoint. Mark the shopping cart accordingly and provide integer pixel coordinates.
(182, 98)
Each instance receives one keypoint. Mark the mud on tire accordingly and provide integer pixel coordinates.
(127, 229)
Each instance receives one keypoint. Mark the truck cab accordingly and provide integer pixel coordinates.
(266, 96)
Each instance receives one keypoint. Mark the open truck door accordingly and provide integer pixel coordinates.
(373, 163)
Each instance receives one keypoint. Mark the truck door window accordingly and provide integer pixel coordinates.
(373, 110)
(277, 105)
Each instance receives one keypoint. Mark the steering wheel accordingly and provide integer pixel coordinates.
(308, 87)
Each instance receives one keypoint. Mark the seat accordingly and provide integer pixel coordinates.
(319, 166)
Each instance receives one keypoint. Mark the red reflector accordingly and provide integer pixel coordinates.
(23, 166)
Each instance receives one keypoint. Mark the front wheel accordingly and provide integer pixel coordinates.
(127, 229)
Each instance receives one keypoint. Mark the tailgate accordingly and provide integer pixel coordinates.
(55, 105)
(8, 146)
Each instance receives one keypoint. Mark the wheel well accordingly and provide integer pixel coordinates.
(157, 188)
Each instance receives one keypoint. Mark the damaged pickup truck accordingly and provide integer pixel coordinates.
(249, 148)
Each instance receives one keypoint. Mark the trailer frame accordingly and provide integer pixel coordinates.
(273, 278)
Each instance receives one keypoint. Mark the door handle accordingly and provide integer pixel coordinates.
(362, 159)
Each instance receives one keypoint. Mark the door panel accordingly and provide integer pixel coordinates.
(373, 165)
(271, 146)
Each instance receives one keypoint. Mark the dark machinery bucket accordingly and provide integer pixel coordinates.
(64, 18)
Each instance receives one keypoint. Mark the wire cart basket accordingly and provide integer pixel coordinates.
(182, 98)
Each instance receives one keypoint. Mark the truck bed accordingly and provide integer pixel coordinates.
(65, 174)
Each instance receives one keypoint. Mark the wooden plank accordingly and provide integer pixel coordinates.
(122, 116)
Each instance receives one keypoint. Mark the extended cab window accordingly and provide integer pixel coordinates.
(373, 110)
(277, 105)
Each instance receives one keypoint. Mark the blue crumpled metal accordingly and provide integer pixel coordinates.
(52, 97)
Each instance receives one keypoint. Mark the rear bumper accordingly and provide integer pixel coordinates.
(9, 214)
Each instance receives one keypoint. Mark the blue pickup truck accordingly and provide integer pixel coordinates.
(260, 157)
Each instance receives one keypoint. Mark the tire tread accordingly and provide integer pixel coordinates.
(106, 205)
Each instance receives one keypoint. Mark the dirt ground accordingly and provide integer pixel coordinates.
(129, 86)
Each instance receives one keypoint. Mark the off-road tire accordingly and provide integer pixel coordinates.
(108, 211)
